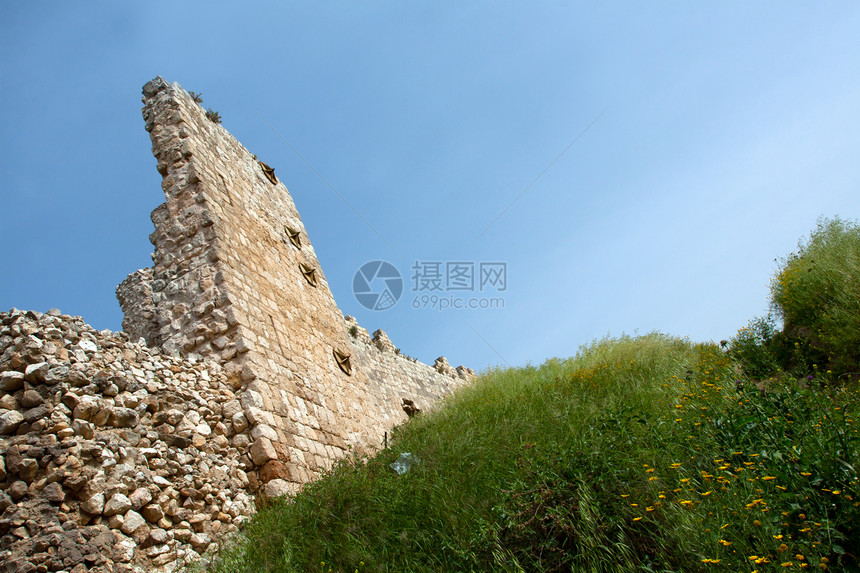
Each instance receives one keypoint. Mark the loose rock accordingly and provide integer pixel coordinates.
(86, 479)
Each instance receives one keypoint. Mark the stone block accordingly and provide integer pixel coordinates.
(118, 504)
(262, 451)
(9, 421)
(11, 381)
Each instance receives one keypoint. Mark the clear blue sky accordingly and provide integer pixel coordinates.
(724, 130)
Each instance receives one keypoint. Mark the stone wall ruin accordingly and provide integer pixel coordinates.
(235, 279)
(236, 375)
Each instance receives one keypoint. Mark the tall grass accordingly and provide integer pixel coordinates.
(646, 453)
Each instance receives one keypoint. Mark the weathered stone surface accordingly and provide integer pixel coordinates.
(240, 422)
(83, 429)
(230, 409)
(274, 469)
(95, 505)
(441, 365)
(31, 399)
(56, 373)
(117, 504)
(158, 536)
(17, 490)
(277, 488)
(153, 513)
(382, 342)
(53, 492)
(264, 431)
(132, 522)
(27, 469)
(87, 408)
(140, 497)
(9, 421)
(123, 551)
(262, 451)
(33, 414)
(123, 417)
(11, 381)
(8, 402)
(35, 373)
(200, 541)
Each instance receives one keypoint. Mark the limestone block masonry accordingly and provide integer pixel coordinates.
(235, 279)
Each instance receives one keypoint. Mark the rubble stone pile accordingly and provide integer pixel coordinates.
(113, 456)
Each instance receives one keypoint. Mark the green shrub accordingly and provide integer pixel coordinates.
(753, 347)
(816, 293)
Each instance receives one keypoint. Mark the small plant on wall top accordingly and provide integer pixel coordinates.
(210, 113)
(213, 115)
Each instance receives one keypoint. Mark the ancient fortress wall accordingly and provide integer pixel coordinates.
(117, 457)
(235, 279)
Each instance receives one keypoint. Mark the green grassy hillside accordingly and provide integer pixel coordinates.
(639, 453)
